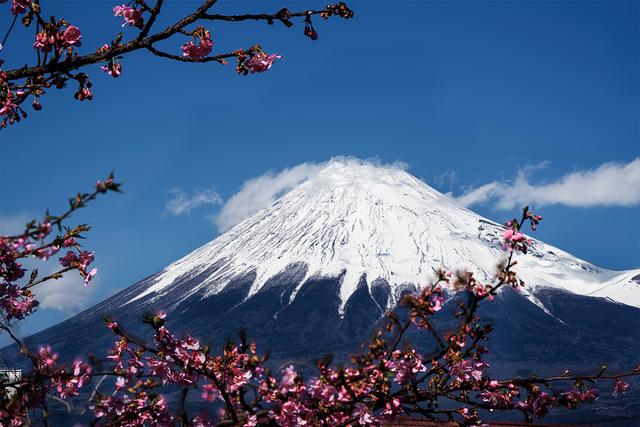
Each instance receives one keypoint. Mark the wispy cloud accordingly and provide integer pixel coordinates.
(181, 203)
(259, 192)
(446, 180)
(610, 184)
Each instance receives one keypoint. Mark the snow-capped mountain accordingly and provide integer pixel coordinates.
(315, 271)
(379, 222)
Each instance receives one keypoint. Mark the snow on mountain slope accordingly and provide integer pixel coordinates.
(382, 222)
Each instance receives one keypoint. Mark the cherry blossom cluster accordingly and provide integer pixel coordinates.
(40, 241)
(61, 37)
(65, 380)
(10, 111)
(254, 61)
(48, 378)
(425, 305)
(132, 16)
(514, 239)
(56, 43)
(141, 368)
(200, 47)
(17, 300)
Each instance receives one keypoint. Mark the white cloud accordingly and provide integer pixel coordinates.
(610, 184)
(182, 203)
(259, 192)
(65, 294)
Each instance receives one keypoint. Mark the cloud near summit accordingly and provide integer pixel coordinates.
(181, 203)
(260, 192)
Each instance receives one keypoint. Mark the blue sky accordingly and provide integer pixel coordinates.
(466, 93)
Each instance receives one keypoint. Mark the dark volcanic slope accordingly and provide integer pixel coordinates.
(578, 331)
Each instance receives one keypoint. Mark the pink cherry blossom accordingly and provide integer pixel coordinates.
(288, 381)
(292, 414)
(44, 41)
(114, 69)
(261, 62)
(131, 16)
(89, 276)
(620, 387)
(85, 258)
(8, 108)
(46, 359)
(364, 415)
(195, 51)
(468, 370)
(19, 6)
(508, 233)
(210, 392)
(71, 36)
(46, 253)
(541, 403)
(69, 242)
(497, 399)
(69, 259)
(406, 365)
(111, 324)
(392, 407)
(84, 94)
(16, 302)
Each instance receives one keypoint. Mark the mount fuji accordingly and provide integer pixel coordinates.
(355, 220)
(314, 273)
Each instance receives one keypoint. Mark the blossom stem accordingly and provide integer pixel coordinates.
(6, 36)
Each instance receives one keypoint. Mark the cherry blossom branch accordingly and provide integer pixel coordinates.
(157, 322)
(18, 398)
(6, 36)
(572, 378)
(35, 231)
(284, 15)
(216, 58)
(152, 18)
(58, 41)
